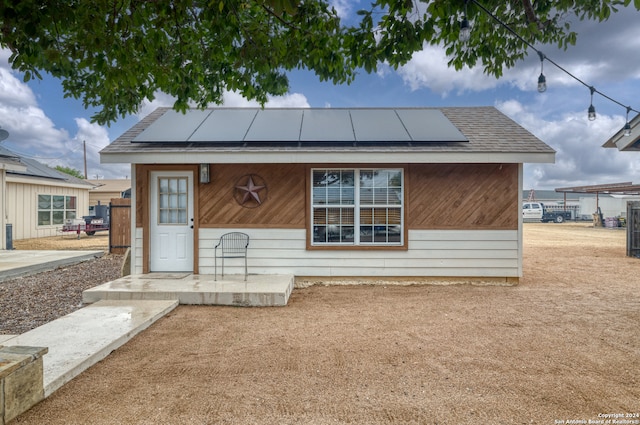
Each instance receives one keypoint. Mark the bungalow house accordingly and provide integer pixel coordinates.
(402, 193)
(35, 200)
(104, 190)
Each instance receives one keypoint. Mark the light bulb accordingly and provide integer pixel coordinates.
(627, 129)
(542, 83)
(465, 31)
(592, 113)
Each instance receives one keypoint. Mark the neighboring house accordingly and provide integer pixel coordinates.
(36, 199)
(105, 190)
(331, 193)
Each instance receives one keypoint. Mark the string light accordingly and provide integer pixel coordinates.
(591, 112)
(465, 29)
(627, 126)
(542, 81)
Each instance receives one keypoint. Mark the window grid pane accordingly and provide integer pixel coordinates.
(55, 209)
(173, 200)
(377, 199)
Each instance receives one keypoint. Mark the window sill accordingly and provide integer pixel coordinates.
(357, 247)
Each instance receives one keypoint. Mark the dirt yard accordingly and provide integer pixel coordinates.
(67, 241)
(561, 347)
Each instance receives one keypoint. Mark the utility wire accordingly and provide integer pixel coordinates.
(543, 56)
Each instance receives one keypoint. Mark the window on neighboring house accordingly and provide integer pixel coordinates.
(55, 209)
(357, 206)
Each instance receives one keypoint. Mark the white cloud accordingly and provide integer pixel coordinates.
(230, 99)
(95, 137)
(605, 52)
(28, 126)
(161, 99)
(34, 135)
(580, 158)
(342, 7)
(13, 92)
(428, 69)
(291, 100)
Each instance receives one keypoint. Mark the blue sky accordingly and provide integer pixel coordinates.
(46, 126)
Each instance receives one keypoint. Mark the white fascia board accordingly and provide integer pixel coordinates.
(624, 142)
(44, 182)
(332, 157)
(19, 168)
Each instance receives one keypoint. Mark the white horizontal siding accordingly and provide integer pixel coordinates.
(136, 253)
(438, 253)
(22, 206)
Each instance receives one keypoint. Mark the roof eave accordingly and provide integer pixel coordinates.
(326, 157)
(622, 142)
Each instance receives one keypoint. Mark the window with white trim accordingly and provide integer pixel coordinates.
(55, 209)
(357, 206)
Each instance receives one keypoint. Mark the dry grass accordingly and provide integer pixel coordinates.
(66, 241)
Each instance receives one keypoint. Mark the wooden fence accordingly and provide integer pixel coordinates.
(120, 225)
(633, 229)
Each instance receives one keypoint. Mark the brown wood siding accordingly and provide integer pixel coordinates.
(284, 206)
(119, 225)
(463, 196)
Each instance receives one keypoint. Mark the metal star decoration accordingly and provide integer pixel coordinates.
(250, 191)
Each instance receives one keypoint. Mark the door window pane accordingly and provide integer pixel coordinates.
(172, 200)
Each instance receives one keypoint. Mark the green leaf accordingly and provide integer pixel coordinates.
(114, 54)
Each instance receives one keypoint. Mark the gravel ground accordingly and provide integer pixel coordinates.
(31, 301)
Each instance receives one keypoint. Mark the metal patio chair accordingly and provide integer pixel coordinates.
(231, 245)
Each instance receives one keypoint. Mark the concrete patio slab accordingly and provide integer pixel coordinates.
(4, 338)
(16, 263)
(81, 339)
(257, 291)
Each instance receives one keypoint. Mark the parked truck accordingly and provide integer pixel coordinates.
(90, 224)
(536, 211)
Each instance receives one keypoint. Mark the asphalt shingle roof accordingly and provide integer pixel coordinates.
(486, 129)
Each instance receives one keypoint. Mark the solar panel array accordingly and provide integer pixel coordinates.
(304, 126)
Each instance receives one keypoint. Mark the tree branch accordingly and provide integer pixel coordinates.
(531, 14)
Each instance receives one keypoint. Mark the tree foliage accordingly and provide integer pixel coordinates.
(114, 54)
(70, 171)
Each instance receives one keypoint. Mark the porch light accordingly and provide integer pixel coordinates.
(205, 176)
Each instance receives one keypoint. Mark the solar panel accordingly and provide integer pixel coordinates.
(429, 125)
(373, 125)
(275, 125)
(225, 125)
(310, 127)
(326, 125)
(173, 126)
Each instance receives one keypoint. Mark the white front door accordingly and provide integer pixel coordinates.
(171, 221)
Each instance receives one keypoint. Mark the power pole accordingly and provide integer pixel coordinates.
(84, 145)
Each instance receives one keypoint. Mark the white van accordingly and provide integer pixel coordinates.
(532, 211)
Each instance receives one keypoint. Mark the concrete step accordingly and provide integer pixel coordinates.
(257, 291)
(79, 340)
